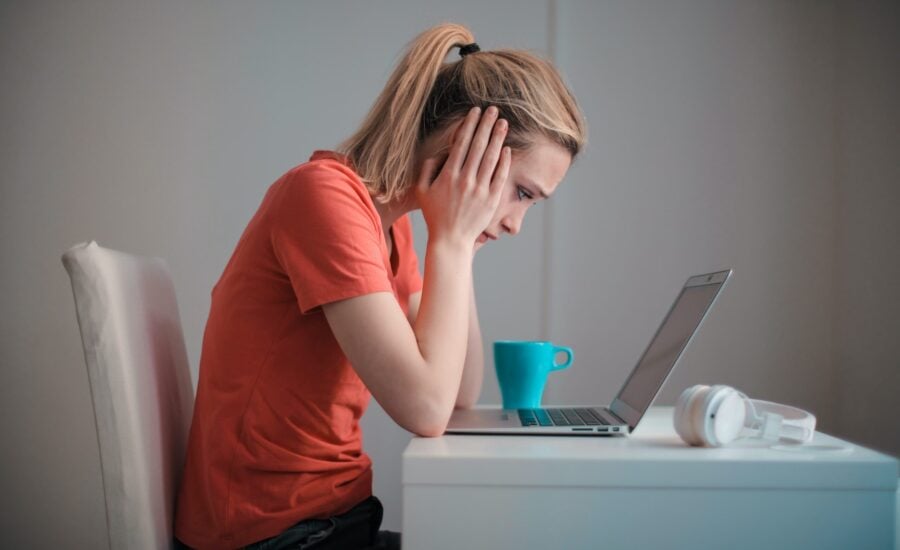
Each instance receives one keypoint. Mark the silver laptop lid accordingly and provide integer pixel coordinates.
(671, 339)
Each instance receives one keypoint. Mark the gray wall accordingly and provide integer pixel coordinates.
(755, 135)
(712, 147)
(867, 297)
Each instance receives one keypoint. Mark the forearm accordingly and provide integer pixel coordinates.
(442, 324)
(473, 371)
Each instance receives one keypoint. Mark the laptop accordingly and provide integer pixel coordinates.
(634, 398)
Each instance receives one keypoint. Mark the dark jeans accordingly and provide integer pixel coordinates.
(355, 529)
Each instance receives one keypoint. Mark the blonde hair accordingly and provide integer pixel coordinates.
(424, 95)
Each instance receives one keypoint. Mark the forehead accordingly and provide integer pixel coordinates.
(545, 163)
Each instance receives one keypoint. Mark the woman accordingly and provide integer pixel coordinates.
(322, 305)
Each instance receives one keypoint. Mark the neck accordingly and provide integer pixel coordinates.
(392, 211)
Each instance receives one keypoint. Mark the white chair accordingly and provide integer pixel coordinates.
(140, 387)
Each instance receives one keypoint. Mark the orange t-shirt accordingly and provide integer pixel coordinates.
(275, 436)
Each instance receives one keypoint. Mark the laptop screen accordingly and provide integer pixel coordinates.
(661, 355)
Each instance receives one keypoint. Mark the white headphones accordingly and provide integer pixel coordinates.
(713, 416)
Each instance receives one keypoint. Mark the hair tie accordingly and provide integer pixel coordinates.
(468, 48)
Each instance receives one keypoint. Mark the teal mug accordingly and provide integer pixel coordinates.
(522, 369)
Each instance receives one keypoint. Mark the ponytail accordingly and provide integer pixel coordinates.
(383, 150)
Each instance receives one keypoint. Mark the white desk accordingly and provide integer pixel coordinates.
(647, 490)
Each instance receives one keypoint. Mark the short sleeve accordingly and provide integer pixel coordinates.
(326, 235)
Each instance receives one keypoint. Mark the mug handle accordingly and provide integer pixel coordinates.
(568, 352)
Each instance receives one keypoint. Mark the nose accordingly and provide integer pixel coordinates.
(512, 222)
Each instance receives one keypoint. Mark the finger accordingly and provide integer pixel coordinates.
(479, 143)
(492, 154)
(427, 173)
(464, 136)
(498, 183)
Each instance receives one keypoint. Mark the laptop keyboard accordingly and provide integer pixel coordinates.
(561, 417)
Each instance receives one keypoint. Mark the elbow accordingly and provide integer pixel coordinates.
(468, 394)
(432, 425)
(422, 408)
(435, 430)
(432, 428)
(431, 421)
(466, 402)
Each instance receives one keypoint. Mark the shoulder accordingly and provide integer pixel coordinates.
(325, 182)
(327, 170)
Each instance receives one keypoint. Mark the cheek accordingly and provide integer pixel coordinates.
(507, 207)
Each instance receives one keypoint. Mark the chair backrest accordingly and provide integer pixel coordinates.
(140, 387)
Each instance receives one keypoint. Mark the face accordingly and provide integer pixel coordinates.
(534, 175)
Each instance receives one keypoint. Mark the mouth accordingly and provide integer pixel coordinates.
(485, 236)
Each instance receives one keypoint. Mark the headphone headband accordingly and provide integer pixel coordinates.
(795, 424)
(716, 415)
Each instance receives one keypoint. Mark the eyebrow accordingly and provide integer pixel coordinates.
(536, 186)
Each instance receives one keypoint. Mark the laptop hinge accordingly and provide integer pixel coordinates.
(616, 419)
(614, 415)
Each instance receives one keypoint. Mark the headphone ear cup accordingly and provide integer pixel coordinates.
(678, 415)
(684, 413)
(702, 408)
(723, 416)
(730, 416)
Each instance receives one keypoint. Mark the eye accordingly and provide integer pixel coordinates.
(523, 194)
